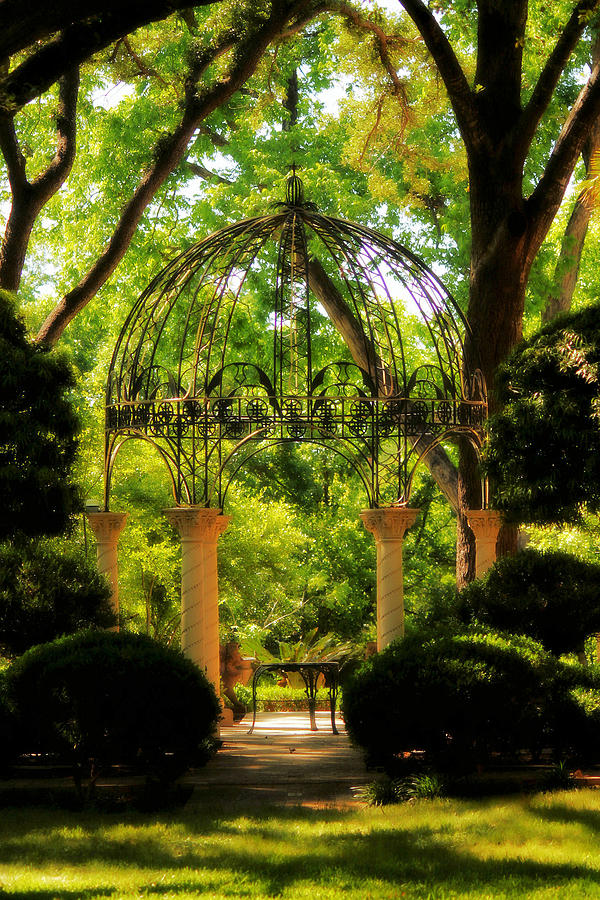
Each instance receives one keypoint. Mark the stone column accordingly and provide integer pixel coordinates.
(200, 529)
(107, 526)
(389, 527)
(485, 525)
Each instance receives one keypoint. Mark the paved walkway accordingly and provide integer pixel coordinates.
(282, 762)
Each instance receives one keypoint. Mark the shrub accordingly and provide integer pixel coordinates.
(550, 596)
(543, 453)
(421, 786)
(38, 432)
(9, 728)
(47, 591)
(277, 697)
(111, 698)
(463, 696)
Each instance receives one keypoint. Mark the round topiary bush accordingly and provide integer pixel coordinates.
(550, 596)
(113, 698)
(462, 696)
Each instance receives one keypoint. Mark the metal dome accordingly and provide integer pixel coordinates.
(208, 395)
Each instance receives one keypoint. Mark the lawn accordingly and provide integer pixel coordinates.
(541, 846)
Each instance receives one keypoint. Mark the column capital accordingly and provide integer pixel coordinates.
(198, 523)
(484, 523)
(389, 523)
(107, 526)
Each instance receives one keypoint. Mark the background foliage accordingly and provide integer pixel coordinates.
(393, 160)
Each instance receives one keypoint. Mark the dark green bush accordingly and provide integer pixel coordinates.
(113, 698)
(38, 432)
(549, 596)
(464, 696)
(47, 591)
(543, 452)
(9, 728)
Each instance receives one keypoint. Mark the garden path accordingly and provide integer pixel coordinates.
(282, 762)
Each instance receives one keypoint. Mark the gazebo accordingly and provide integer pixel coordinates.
(323, 302)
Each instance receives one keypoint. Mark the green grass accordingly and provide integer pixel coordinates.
(545, 846)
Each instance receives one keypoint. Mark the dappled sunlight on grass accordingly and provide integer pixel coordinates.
(541, 847)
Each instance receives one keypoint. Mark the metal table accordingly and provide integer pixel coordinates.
(309, 672)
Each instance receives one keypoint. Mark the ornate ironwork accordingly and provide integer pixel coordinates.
(180, 379)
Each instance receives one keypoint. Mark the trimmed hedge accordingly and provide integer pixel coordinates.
(552, 597)
(464, 696)
(113, 698)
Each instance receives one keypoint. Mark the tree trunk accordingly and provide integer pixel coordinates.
(469, 497)
(500, 264)
(567, 268)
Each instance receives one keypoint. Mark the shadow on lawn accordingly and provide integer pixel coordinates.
(568, 816)
(275, 857)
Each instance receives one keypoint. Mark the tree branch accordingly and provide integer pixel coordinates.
(551, 73)
(216, 139)
(168, 155)
(13, 156)
(382, 41)
(566, 271)
(459, 92)
(545, 200)
(48, 182)
(142, 68)
(201, 172)
(28, 198)
(567, 267)
(24, 24)
(80, 37)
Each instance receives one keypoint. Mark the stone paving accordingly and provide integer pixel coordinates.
(282, 762)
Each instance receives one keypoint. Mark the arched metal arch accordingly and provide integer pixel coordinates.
(116, 444)
(261, 449)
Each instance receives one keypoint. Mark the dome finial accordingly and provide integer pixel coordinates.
(294, 189)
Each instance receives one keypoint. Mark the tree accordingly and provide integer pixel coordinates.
(38, 433)
(47, 591)
(504, 96)
(543, 454)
